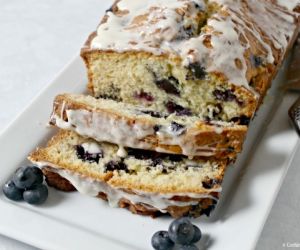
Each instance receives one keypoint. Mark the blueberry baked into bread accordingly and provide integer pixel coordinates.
(146, 182)
(210, 58)
(139, 127)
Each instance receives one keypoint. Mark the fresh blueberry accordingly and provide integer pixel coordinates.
(12, 192)
(36, 195)
(197, 234)
(181, 231)
(27, 176)
(39, 175)
(188, 247)
(161, 241)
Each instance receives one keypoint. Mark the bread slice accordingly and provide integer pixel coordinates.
(143, 128)
(209, 58)
(145, 181)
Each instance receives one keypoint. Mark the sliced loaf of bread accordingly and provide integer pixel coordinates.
(139, 127)
(147, 182)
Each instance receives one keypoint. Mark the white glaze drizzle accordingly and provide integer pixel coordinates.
(277, 24)
(121, 152)
(289, 4)
(104, 127)
(158, 28)
(88, 186)
(91, 147)
(158, 31)
(187, 144)
(219, 130)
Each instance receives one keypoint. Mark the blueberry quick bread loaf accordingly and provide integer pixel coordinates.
(175, 84)
(146, 182)
(140, 127)
(210, 58)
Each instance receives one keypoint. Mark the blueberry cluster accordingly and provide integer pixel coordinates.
(27, 184)
(182, 232)
(172, 107)
(86, 156)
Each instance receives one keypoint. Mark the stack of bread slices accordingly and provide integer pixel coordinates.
(173, 87)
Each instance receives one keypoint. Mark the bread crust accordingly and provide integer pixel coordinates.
(55, 180)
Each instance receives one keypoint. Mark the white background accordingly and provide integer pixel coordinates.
(38, 37)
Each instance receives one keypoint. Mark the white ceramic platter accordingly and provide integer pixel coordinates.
(73, 221)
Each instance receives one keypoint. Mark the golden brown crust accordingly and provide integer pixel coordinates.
(60, 183)
(227, 143)
(56, 181)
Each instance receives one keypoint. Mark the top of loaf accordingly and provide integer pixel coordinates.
(224, 36)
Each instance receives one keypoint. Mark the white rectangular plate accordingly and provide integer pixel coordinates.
(73, 221)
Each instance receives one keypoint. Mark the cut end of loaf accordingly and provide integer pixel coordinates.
(192, 186)
(166, 86)
(139, 127)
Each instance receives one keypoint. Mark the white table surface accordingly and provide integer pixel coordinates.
(38, 37)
